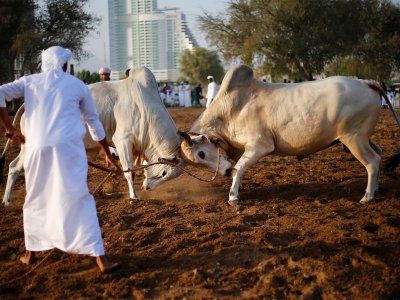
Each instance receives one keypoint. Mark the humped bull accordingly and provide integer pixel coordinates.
(252, 119)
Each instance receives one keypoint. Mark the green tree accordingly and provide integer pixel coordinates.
(299, 38)
(94, 77)
(88, 77)
(379, 49)
(350, 66)
(197, 64)
(17, 18)
(377, 53)
(51, 22)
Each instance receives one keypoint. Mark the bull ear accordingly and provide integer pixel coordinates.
(186, 138)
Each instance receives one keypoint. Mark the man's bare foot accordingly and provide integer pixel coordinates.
(105, 265)
(28, 258)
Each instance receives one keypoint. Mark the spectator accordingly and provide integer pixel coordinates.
(167, 91)
(181, 91)
(211, 90)
(188, 94)
(127, 73)
(104, 73)
(198, 95)
(161, 92)
(390, 94)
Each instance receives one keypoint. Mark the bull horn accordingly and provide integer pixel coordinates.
(214, 140)
(175, 160)
(186, 138)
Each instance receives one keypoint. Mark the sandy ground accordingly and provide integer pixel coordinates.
(302, 234)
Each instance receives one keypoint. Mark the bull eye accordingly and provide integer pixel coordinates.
(164, 173)
(202, 155)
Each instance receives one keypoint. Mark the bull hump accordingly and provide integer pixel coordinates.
(240, 75)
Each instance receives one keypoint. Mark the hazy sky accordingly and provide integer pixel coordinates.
(98, 43)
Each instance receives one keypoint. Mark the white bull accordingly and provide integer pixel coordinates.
(136, 122)
(253, 119)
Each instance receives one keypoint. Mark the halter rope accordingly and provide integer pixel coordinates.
(33, 268)
(164, 161)
(161, 161)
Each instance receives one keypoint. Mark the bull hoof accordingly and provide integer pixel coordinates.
(132, 201)
(232, 197)
(7, 203)
(366, 200)
(233, 201)
(235, 204)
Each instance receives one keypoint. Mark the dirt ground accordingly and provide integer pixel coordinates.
(302, 234)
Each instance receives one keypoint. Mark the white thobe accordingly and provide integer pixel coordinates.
(211, 92)
(169, 99)
(59, 212)
(390, 95)
(163, 97)
(188, 95)
(181, 95)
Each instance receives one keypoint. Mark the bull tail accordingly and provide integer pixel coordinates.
(17, 116)
(392, 163)
(378, 88)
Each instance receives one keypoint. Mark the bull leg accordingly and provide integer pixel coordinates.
(124, 148)
(366, 152)
(14, 169)
(378, 151)
(249, 158)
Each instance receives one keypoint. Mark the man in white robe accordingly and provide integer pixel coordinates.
(188, 94)
(390, 95)
(181, 93)
(211, 90)
(59, 212)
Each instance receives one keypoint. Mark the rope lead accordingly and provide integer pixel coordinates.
(24, 276)
(161, 161)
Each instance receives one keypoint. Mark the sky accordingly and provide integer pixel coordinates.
(98, 42)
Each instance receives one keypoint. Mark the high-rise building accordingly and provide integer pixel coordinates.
(143, 35)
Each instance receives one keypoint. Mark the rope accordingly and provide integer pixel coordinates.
(23, 277)
(102, 182)
(162, 161)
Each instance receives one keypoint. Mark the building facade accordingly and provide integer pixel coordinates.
(143, 35)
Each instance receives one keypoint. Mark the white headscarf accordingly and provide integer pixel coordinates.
(104, 70)
(53, 60)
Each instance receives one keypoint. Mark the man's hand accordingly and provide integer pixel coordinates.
(111, 159)
(12, 133)
(15, 135)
